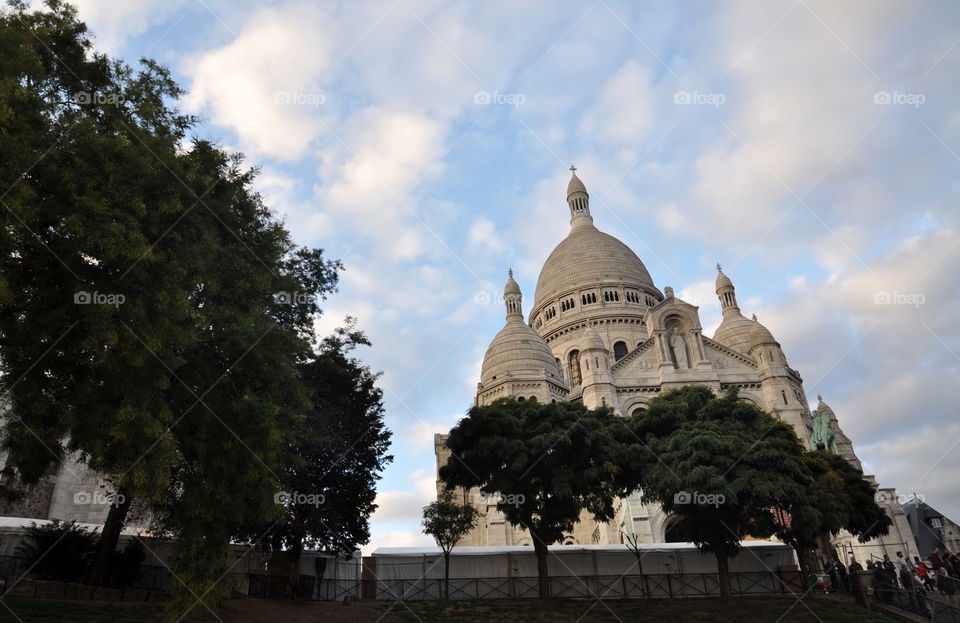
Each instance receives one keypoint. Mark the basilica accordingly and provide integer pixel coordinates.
(602, 333)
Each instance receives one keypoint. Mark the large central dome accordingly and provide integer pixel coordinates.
(587, 257)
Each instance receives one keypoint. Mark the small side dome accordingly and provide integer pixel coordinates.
(759, 334)
(592, 340)
(518, 352)
(734, 332)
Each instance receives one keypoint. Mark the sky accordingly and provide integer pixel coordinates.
(812, 148)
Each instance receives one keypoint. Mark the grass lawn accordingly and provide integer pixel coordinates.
(825, 610)
(27, 610)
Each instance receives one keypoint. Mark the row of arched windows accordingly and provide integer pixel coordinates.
(611, 295)
(566, 305)
(550, 313)
(588, 298)
(632, 297)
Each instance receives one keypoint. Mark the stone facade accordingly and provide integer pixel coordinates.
(617, 340)
(73, 493)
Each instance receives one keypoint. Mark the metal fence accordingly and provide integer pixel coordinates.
(590, 586)
(929, 605)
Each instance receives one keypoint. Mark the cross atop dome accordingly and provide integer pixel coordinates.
(573, 169)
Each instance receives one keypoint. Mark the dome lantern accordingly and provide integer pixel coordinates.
(727, 294)
(513, 298)
(579, 201)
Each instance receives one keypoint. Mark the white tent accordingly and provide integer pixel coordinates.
(575, 570)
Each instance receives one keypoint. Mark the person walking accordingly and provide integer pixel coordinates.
(947, 587)
(921, 572)
(906, 580)
(901, 563)
(935, 561)
(947, 558)
(880, 589)
(854, 566)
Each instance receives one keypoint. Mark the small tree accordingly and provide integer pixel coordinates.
(548, 462)
(835, 497)
(633, 542)
(721, 464)
(448, 522)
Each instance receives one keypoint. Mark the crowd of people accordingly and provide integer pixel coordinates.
(939, 573)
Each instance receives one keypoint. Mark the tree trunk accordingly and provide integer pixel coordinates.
(446, 575)
(109, 537)
(723, 572)
(543, 580)
(296, 547)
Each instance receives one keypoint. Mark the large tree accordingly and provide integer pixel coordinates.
(719, 463)
(154, 312)
(448, 521)
(835, 497)
(547, 462)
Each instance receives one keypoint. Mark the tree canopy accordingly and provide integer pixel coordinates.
(719, 463)
(157, 318)
(835, 497)
(547, 462)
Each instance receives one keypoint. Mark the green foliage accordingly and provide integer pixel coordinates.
(836, 497)
(720, 464)
(57, 550)
(447, 521)
(154, 314)
(548, 462)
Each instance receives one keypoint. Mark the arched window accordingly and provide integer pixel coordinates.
(784, 394)
(575, 377)
(619, 350)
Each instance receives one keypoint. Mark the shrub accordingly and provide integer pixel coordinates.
(58, 550)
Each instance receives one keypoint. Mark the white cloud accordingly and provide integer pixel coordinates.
(114, 22)
(263, 84)
(623, 111)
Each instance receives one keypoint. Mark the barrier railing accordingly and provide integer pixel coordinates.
(590, 586)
